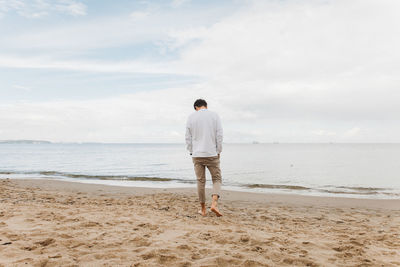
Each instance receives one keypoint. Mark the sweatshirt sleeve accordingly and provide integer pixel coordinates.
(188, 136)
(219, 135)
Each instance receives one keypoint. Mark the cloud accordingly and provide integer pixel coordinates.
(145, 26)
(307, 60)
(21, 87)
(79, 39)
(141, 117)
(71, 7)
(323, 133)
(352, 132)
(85, 65)
(41, 8)
(7, 5)
(275, 71)
(178, 3)
(139, 15)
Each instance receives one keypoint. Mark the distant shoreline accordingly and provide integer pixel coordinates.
(173, 143)
(24, 142)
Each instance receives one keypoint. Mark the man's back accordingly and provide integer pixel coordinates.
(204, 133)
(204, 141)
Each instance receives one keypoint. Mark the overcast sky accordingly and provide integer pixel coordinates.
(129, 71)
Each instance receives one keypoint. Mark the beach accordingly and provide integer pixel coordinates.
(58, 223)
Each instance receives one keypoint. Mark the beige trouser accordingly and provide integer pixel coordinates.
(212, 163)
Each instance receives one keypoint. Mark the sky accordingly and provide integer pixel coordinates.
(129, 71)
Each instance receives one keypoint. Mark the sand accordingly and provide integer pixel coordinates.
(56, 223)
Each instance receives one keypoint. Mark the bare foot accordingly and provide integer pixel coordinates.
(216, 211)
(202, 212)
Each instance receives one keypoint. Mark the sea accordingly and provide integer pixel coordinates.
(331, 169)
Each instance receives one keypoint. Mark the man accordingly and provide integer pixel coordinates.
(204, 142)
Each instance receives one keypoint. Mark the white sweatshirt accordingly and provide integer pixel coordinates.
(204, 134)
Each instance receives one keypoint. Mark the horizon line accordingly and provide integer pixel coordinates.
(33, 141)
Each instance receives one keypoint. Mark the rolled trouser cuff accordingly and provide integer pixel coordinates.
(216, 190)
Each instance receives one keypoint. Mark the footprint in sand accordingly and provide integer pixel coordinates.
(225, 261)
(46, 242)
(195, 256)
(29, 248)
(166, 259)
(184, 247)
(244, 239)
(141, 242)
(252, 263)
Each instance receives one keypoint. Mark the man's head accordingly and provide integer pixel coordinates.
(200, 104)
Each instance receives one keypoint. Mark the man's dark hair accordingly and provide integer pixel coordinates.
(199, 103)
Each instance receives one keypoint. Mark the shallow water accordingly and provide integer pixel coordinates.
(353, 170)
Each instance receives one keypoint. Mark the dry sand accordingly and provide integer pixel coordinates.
(55, 223)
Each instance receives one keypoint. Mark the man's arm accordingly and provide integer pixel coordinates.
(219, 135)
(188, 137)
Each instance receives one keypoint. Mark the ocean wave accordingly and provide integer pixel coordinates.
(334, 190)
(328, 189)
(358, 188)
(350, 192)
(278, 186)
(96, 177)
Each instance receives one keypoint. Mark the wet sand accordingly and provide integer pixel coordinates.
(56, 223)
